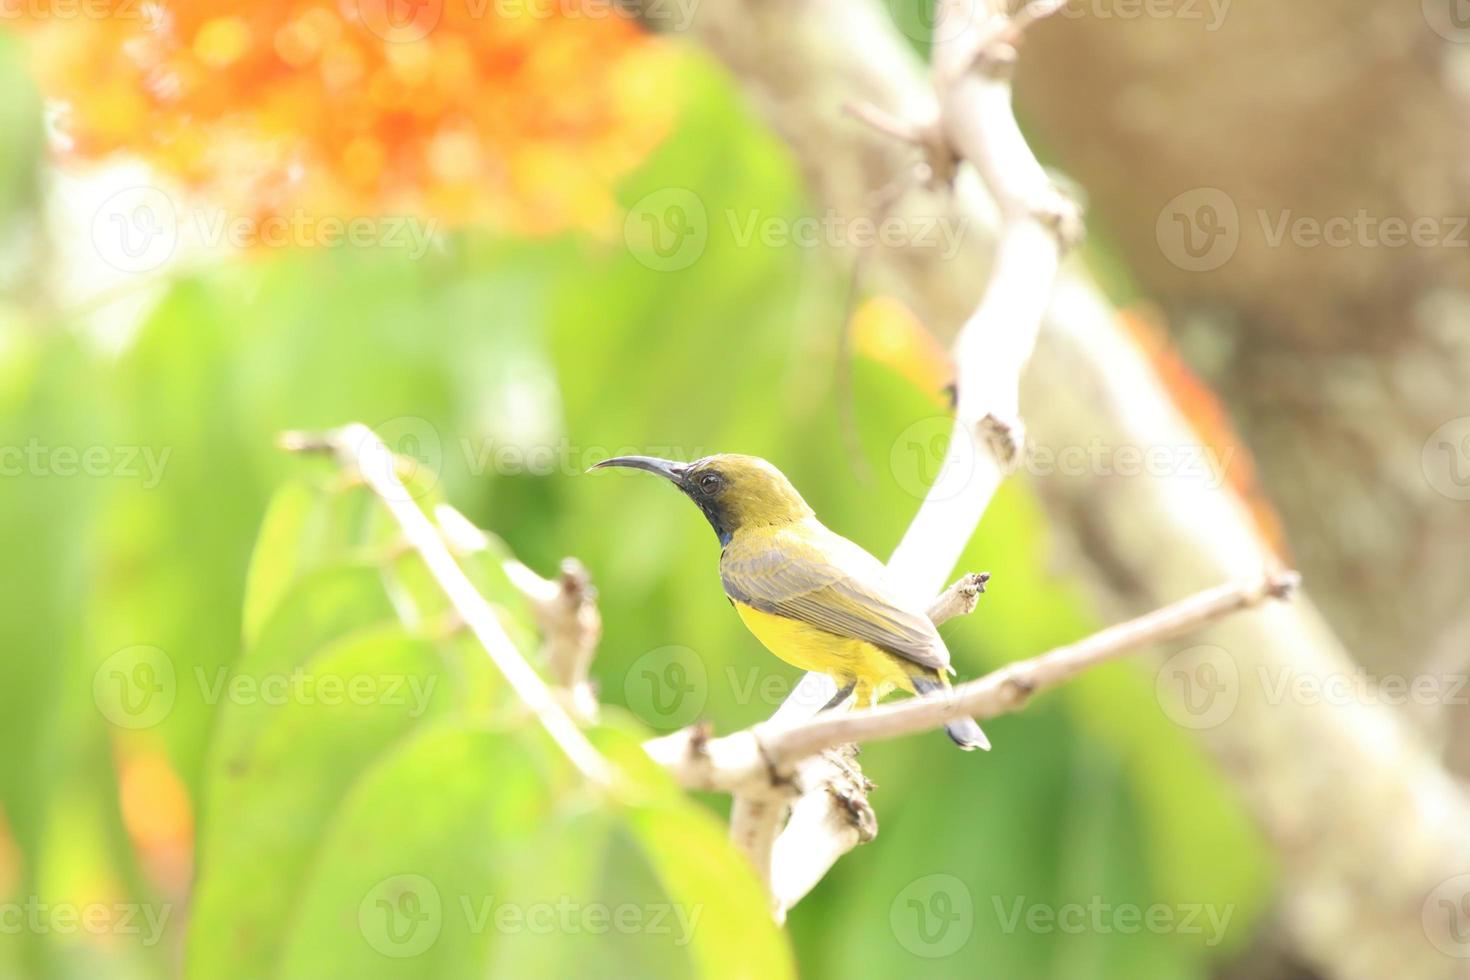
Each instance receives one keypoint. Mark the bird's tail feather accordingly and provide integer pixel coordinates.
(962, 731)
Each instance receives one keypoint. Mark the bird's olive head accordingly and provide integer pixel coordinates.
(733, 491)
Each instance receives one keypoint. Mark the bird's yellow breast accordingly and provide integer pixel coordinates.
(843, 658)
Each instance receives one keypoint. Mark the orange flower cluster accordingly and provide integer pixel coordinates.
(520, 114)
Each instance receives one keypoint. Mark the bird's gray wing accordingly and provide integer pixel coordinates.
(828, 582)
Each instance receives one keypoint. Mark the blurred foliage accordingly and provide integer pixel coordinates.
(507, 366)
(315, 808)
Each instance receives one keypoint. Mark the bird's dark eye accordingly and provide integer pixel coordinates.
(709, 483)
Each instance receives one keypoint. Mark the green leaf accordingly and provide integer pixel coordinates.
(347, 706)
(688, 851)
(470, 853)
(337, 828)
(324, 607)
(48, 508)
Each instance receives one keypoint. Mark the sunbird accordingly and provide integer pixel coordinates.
(812, 597)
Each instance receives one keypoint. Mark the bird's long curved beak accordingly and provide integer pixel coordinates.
(666, 468)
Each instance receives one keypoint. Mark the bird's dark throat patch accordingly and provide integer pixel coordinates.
(715, 514)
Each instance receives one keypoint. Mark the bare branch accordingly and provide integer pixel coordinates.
(973, 51)
(566, 611)
(1038, 224)
(1357, 803)
(927, 136)
(823, 826)
(1010, 688)
(758, 819)
(730, 765)
(362, 453)
(885, 122)
(771, 752)
(736, 765)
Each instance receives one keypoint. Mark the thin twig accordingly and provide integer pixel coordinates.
(882, 121)
(565, 609)
(1010, 688)
(358, 449)
(566, 612)
(772, 751)
(959, 599)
